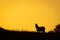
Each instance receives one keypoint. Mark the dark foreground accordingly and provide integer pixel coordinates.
(12, 35)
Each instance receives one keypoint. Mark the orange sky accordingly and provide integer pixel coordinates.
(23, 14)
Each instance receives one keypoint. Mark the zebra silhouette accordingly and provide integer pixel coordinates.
(40, 29)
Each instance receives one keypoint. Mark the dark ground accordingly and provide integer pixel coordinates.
(12, 35)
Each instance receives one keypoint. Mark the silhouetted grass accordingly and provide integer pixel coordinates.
(26, 35)
(5, 34)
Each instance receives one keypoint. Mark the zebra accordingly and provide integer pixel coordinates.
(40, 29)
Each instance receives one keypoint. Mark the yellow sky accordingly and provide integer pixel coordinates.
(23, 14)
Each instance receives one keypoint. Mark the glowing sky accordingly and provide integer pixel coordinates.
(23, 14)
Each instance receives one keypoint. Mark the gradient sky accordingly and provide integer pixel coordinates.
(23, 14)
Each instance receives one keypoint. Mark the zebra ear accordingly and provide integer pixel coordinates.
(36, 24)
